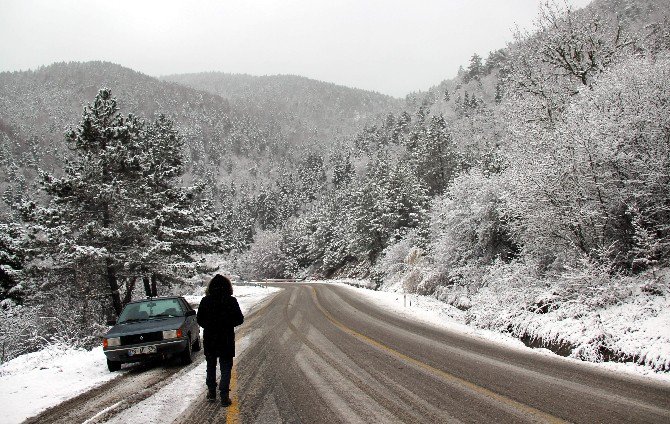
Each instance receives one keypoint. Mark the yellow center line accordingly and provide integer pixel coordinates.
(529, 410)
(233, 411)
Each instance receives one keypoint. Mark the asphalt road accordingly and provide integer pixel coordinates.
(317, 354)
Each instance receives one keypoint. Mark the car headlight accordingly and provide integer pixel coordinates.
(111, 341)
(172, 334)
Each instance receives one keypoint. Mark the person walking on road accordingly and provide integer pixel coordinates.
(219, 314)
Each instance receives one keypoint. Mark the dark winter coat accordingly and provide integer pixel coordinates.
(218, 315)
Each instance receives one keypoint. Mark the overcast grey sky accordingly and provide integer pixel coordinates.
(390, 46)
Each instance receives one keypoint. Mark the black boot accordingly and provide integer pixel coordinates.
(211, 395)
(225, 400)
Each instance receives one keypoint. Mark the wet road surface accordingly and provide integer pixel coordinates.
(316, 353)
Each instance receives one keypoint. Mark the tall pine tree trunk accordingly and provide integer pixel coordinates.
(130, 286)
(154, 288)
(113, 288)
(147, 286)
(109, 269)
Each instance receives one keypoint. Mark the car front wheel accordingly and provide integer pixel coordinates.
(113, 365)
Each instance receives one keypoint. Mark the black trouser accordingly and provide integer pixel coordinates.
(226, 366)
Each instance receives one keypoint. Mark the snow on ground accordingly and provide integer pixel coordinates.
(637, 328)
(169, 402)
(36, 381)
(440, 314)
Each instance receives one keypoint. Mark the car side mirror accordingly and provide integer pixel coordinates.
(190, 313)
(111, 322)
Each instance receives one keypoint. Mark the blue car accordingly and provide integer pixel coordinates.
(153, 328)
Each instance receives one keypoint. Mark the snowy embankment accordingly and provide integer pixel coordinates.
(36, 381)
(637, 330)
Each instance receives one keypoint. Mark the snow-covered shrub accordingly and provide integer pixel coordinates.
(72, 318)
(396, 261)
(19, 332)
(264, 259)
(507, 290)
(596, 182)
(588, 312)
(411, 280)
(592, 285)
(432, 283)
(468, 228)
(75, 317)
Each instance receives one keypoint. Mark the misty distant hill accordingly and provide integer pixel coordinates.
(307, 109)
(37, 107)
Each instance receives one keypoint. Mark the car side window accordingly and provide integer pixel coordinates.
(185, 304)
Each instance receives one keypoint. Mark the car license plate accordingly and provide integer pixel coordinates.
(141, 350)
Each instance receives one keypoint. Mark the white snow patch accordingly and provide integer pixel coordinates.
(36, 381)
(167, 403)
(31, 383)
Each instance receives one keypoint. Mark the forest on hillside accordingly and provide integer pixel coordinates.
(536, 182)
(552, 151)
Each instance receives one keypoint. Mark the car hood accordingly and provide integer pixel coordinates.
(147, 326)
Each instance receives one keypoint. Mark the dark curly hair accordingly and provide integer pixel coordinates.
(220, 285)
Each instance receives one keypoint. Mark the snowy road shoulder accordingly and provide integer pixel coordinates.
(36, 381)
(428, 310)
(442, 315)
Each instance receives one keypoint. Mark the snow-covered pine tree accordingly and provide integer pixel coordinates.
(117, 212)
(434, 158)
(12, 257)
(475, 69)
(178, 221)
(311, 176)
(389, 201)
(343, 169)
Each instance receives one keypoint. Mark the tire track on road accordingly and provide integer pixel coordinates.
(363, 382)
(523, 409)
(573, 391)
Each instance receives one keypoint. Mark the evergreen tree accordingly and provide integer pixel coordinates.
(117, 213)
(12, 258)
(311, 176)
(343, 170)
(434, 159)
(496, 59)
(178, 221)
(475, 69)
(387, 203)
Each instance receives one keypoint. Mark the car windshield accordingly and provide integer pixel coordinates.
(151, 309)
